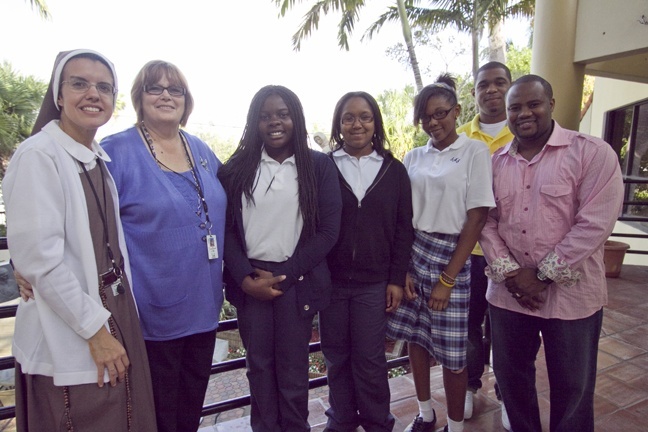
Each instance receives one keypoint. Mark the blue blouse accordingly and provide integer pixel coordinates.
(178, 290)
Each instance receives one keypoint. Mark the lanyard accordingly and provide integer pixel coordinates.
(102, 212)
(196, 183)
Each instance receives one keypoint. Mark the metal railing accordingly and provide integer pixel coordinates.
(8, 362)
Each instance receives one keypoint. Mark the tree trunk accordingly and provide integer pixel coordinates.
(407, 35)
(496, 43)
(475, 32)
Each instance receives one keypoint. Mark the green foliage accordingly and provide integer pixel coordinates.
(228, 311)
(41, 7)
(518, 61)
(396, 108)
(20, 99)
(224, 148)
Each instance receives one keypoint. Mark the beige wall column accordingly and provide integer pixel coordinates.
(554, 37)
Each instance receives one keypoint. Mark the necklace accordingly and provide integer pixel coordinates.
(196, 183)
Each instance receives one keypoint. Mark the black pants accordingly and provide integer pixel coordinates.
(180, 370)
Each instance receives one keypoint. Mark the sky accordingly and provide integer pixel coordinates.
(226, 49)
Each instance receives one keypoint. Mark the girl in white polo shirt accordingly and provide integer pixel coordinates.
(451, 194)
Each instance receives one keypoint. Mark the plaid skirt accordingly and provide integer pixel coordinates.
(444, 334)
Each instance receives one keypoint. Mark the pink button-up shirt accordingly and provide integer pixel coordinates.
(554, 213)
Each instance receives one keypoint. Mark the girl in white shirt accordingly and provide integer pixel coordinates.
(283, 218)
(451, 195)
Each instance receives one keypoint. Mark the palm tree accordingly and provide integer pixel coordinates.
(41, 8)
(469, 16)
(350, 11)
(20, 98)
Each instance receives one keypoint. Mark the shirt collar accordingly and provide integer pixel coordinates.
(340, 153)
(460, 142)
(267, 159)
(556, 139)
(75, 149)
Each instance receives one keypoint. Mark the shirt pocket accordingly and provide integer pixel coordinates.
(555, 202)
(504, 202)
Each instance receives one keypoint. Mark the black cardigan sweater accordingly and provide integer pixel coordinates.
(376, 233)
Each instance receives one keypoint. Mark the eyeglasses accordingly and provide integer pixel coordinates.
(82, 86)
(157, 90)
(349, 119)
(438, 115)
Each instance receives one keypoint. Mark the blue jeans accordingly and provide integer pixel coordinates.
(475, 356)
(352, 331)
(571, 348)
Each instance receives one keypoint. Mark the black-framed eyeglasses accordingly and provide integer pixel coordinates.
(438, 115)
(349, 119)
(173, 90)
(82, 86)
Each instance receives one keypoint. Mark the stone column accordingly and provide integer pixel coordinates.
(554, 38)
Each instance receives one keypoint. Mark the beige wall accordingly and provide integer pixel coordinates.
(608, 28)
(610, 94)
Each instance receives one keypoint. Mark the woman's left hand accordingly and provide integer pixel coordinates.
(394, 296)
(440, 297)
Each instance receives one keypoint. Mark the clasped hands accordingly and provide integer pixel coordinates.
(264, 287)
(526, 288)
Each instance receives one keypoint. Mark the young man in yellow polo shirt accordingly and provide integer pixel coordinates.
(489, 125)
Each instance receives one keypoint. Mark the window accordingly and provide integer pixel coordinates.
(626, 129)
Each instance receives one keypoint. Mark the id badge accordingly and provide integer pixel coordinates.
(212, 247)
(113, 281)
(117, 287)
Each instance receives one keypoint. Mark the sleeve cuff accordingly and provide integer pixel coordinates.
(497, 270)
(558, 270)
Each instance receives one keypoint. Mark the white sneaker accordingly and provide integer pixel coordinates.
(468, 405)
(506, 424)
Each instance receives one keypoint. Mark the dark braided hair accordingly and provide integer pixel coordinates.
(238, 174)
(378, 140)
(445, 86)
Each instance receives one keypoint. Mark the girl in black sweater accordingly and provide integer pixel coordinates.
(368, 266)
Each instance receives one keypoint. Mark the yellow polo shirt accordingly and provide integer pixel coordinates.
(473, 131)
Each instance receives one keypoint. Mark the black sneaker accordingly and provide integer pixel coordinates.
(418, 425)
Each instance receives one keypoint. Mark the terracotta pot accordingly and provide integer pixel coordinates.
(613, 255)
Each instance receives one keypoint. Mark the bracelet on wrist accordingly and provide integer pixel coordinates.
(446, 283)
(447, 278)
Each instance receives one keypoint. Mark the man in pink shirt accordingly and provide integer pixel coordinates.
(558, 194)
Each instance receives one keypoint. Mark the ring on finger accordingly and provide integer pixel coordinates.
(517, 295)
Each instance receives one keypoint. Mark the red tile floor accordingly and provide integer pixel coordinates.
(621, 399)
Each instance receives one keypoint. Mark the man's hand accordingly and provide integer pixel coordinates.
(263, 288)
(393, 298)
(526, 288)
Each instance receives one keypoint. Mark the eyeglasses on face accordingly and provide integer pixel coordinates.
(81, 86)
(438, 115)
(173, 90)
(349, 119)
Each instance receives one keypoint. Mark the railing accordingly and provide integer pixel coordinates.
(634, 180)
(9, 412)
(230, 365)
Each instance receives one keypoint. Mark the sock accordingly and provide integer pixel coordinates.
(455, 426)
(426, 411)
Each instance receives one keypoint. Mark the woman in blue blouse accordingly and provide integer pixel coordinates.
(172, 208)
